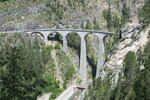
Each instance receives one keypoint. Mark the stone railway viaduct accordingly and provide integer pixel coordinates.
(82, 33)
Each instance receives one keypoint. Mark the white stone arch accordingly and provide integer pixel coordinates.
(56, 36)
(36, 32)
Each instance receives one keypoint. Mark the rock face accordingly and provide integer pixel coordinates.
(132, 41)
(26, 15)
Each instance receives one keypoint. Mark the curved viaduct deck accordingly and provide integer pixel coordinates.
(73, 30)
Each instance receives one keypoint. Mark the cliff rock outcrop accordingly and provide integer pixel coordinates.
(133, 40)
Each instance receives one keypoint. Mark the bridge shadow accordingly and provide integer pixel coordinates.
(59, 39)
(74, 41)
(93, 67)
(56, 38)
(75, 47)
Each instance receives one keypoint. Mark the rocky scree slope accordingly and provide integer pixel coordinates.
(28, 14)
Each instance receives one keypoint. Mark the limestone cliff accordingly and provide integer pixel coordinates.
(133, 40)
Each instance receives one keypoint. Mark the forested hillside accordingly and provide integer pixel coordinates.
(27, 69)
(133, 86)
(133, 82)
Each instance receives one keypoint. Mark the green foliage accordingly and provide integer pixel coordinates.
(88, 25)
(52, 86)
(117, 91)
(49, 49)
(116, 22)
(136, 83)
(142, 84)
(22, 70)
(57, 46)
(126, 87)
(96, 25)
(54, 10)
(130, 65)
(108, 17)
(74, 4)
(82, 25)
(144, 15)
(125, 13)
(113, 21)
(66, 67)
(99, 91)
(74, 40)
(68, 74)
(27, 69)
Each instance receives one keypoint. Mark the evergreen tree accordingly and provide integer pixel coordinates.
(124, 89)
(88, 25)
(108, 17)
(144, 14)
(129, 75)
(125, 13)
(142, 85)
(22, 78)
(96, 25)
(82, 25)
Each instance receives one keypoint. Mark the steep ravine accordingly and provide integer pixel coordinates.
(133, 41)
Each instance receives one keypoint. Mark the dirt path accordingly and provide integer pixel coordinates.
(44, 97)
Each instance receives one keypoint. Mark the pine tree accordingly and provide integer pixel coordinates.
(22, 78)
(96, 25)
(108, 17)
(142, 84)
(88, 25)
(125, 13)
(144, 14)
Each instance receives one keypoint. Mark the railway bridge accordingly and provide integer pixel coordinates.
(82, 33)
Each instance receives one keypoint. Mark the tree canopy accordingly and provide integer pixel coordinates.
(144, 14)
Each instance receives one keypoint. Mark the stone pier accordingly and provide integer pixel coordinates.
(101, 54)
(83, 65)
(65, 45)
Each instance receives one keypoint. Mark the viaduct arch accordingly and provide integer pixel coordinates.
(82, 34)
